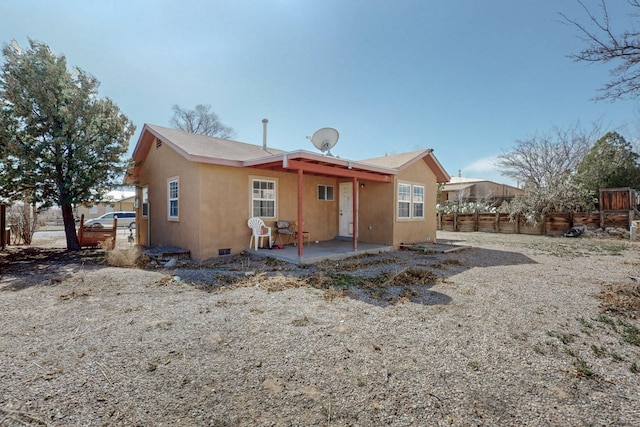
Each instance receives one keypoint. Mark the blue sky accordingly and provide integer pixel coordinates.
(465, 77)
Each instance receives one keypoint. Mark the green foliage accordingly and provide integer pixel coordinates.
(610, 163)
(630, 334)
(582, 368)
(61, 143)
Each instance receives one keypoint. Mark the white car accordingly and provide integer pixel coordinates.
(125, 219)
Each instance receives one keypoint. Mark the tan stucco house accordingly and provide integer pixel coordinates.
(197, 192)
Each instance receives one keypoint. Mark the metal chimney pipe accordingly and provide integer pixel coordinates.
(264, 134)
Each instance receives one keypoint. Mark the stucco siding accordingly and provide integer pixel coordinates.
(226, 205)
(416, 229)
(216, 199)
(183, 232)
(376, 208)
(320, 216)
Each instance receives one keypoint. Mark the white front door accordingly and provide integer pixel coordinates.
(346, 210)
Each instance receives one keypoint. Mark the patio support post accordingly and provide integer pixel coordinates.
(299, 228)
(354, 198)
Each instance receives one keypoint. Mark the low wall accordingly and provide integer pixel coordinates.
(554, 225)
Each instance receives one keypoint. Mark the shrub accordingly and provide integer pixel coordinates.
(126, 257)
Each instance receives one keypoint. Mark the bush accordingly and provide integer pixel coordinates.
(557, 197)
(22, 220)
(126, 257)
(468, 207)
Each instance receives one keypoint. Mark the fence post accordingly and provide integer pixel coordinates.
(570, 220)
(455, 221)
(476, 226)
(517, 223)
(81, 230)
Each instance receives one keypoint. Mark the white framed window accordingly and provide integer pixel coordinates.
(410, 201)
(263, 198)
(325, 192)
(404, 201)
(418, 201)
(145, 202)
(173, 198)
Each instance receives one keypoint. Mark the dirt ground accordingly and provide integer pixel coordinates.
(516, 330)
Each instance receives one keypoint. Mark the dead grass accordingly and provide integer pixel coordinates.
(126, 257)
(339, 285)
(412, 276)
(621, 299)
(355, 263)
(275, 283)
(331, 294)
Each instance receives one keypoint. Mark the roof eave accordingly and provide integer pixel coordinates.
(433, 163)
(307, 155)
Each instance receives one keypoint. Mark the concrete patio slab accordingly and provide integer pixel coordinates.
(323, 250)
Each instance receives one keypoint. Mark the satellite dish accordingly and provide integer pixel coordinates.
(324, 139)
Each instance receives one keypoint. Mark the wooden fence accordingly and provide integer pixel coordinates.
(554, 225)
(618, 199)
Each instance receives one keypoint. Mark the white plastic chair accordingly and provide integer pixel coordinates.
(258, 231)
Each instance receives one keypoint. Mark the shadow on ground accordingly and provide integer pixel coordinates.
(23, 267)
(382, 279)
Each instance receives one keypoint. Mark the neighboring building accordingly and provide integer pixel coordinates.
(197, 192)
(462, 190)
(115, 200)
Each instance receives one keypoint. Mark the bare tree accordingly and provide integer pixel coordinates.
(606, 46)
(23, 221)
(200, 120)
(462, 196)
(544, 159)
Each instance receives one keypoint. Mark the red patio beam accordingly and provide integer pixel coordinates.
(333, 171)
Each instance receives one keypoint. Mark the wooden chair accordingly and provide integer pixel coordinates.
(305, 234)
(258, 231)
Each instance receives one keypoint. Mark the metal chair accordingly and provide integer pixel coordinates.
(258, 231)
(283, 228)
(305, 234)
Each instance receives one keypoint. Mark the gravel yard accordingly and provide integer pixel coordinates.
(516, 330)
